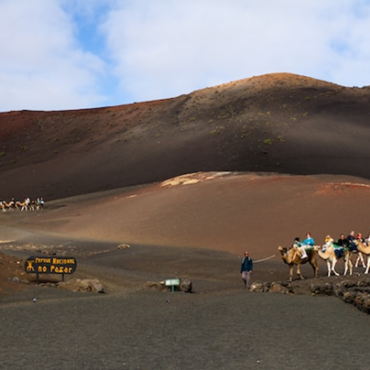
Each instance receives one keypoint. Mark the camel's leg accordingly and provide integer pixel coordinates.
(315, 268)
(299, 271)
(290, 272)
(358, 259)
(367, 265)
(350, 264)
(328, 264)
(345, 260)
(333, 266)
(362, 259)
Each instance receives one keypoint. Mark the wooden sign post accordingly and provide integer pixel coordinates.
(50, 265)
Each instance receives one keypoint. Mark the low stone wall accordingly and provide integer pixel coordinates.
(352, 289)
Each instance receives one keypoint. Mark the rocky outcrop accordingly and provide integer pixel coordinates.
(354, 290)
(349, 291)
(185, 285)
(82, 285)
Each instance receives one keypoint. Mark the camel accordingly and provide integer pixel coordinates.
(25, 205)
(293, 257)
(327, 253)
(5, 205)
(22, 205)
(363, 249)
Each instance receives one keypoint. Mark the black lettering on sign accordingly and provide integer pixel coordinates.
(50, 265)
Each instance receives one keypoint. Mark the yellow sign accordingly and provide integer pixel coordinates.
(50, 265)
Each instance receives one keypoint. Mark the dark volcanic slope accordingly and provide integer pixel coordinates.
(274, 123)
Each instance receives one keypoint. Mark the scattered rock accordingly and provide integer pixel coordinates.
(186, 286)
(325, 288)
(353, 289)
(155, 285)
(278, 288)
(123, 246)
(82, 285)
(257, 287)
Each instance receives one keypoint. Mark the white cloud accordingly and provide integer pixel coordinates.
(166, 48)
(65, 54)
(41, 65)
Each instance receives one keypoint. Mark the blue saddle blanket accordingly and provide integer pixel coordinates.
(339, 252)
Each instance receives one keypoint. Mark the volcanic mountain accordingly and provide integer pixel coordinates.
(281, 123)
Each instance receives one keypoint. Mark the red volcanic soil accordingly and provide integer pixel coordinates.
(224, 212)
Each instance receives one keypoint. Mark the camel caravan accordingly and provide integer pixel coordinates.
(331, 252)
(26, 205)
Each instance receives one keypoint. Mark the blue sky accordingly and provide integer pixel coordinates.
(71, 54)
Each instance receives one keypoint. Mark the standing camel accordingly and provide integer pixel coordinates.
(363, 249)
(293, 257)
(5, 205)
(331, 255)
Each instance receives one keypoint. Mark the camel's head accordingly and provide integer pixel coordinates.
(282, 250)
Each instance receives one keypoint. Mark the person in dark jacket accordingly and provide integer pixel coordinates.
(246, 269)
(342, 241)
(350, 241)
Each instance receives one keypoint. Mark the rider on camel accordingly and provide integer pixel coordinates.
(307, 243)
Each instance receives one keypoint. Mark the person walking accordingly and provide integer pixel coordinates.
(246, 269)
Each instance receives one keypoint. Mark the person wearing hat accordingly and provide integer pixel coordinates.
(360, 257)
(328, 240)
(246, 269)
(296, 243)
(359, 237)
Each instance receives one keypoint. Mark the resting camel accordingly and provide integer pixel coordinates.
(327, 253)
(293, 257)
(363, 249)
